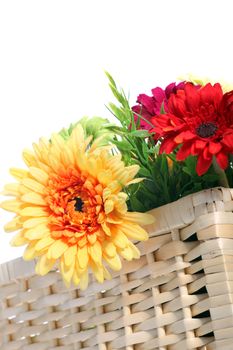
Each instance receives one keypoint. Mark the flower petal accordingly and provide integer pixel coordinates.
(114, 263)
(134, 231)
(57, 249)
(70, 255)
(39, 175)
(203, 164)
(95, 252)
(222, 160)
(11, 205)
(83, 257)
(44, 265)
(139, 218)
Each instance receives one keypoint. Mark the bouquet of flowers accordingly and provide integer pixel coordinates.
(83, 200)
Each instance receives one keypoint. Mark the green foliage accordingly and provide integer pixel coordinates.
(166, 179)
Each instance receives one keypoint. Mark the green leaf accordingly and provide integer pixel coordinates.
(110, 78)
(136, 204)
(144, 172)
(139, 133)
(210, 177)
(162, 110)
(123, 145)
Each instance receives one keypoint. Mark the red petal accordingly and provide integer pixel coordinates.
(199, 144)
(214, 147)
(222, 160)
(147, 102)
(206, 154)
(203, 164)
(211, 94)
(158, 94)
(176, 104)
(184, 151)
(228, 141)
(184, 136)
(167, 146)
(192, 97)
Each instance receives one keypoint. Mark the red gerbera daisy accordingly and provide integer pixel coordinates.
(200, 120)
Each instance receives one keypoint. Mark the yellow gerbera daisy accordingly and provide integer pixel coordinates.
(70, 207)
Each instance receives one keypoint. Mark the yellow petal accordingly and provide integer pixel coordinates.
(83, 257)
(95, 251)
(44, 265)
(108, 206)
(135, 181)
(82, 242)
(23, 189)
(57, 249)
(11, 189)
(106, 229)
(107, 275)
(13, 225)
(132, 170)
(44, 243)
(30, 252)
(33, 185)
(114, 219)
(106, 193)
(104, 177)
(58, 140)
(70, 255)
(18, 240)
(18, 174)
(134, 231)
(39, 175)
(67, 271)
(115, 186)
(98, 272)
(121, 206)
(84, 281)
(109, 249)
(55, 163)
(139, 218)
(120, 240)
(29, 157)
(114, 263)
(76, 278)
(11, 205)
(67, 157)
(38, 151)
(92, 166)
(37, 232)
(35, 222)
(91, 238)
(33, 211)
(33, 198)
(127, 253)
(135, 250)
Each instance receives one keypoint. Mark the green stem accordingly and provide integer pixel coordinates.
(221, 173)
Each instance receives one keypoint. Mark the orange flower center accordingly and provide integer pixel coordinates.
(76, 206)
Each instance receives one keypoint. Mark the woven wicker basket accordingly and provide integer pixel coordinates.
(179, 295)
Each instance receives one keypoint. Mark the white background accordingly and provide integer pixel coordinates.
(53, 55)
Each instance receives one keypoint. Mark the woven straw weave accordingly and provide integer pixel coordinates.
(177, 296)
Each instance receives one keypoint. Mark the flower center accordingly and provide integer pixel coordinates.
(206, 129)
(78, 206)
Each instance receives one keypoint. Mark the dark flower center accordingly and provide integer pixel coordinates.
(78, 204)
(206, 129)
